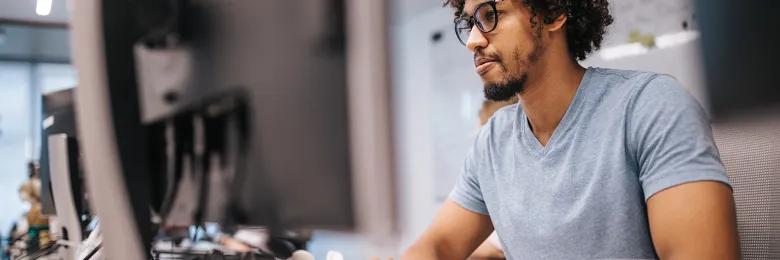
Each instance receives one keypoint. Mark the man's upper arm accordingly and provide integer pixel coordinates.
(454, 234)
(694, 221)
(690, 205)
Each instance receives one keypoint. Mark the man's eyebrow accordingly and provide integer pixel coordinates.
(467, 13)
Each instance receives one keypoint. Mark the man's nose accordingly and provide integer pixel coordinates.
(476, 39)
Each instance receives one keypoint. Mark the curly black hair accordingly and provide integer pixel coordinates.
(585, 27)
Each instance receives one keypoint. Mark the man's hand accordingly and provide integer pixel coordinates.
(454, 234)
(695, 220)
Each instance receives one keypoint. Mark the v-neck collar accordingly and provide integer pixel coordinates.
(532, 143)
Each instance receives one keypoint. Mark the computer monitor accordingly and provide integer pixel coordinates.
(62, 193)
(59, 117)
(286, 102)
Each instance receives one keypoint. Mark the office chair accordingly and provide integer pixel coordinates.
(750, 151)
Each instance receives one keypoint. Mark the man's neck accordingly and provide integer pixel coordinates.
(548, 94)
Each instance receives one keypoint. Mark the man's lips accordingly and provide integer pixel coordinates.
(485, 67)
(482, 60)
(483, 64)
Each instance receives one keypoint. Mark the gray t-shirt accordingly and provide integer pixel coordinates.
(626, 136)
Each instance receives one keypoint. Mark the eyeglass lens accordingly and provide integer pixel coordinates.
(485, 18)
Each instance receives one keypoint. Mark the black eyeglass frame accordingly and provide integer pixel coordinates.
(473, 21)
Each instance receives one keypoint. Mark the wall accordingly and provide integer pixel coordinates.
(414, 91)
(14, 139)
(19, 81)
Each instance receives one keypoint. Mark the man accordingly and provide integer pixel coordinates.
(592, 163)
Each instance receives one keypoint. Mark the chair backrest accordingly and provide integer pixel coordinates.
(750, 151)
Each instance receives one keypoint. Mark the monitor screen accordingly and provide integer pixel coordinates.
(58, 118)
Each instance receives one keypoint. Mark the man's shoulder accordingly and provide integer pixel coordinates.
(629, 84)
(641, 83)
(626, 78)
(621, 73)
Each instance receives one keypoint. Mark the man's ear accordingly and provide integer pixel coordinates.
(556, 24)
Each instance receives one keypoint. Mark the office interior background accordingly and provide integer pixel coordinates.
(436, 97)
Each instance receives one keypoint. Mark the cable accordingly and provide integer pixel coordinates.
(93, 252)
(41, 251)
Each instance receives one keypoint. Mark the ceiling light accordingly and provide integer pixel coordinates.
(43, 8)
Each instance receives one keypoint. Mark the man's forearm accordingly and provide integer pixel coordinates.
(697, 254)
(419, 252)
(454, 234)
(422, 251)
(430, 251)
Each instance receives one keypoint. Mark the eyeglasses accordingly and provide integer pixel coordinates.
(485, 18)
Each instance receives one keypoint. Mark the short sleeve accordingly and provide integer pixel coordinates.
(467, 192)
(671, 137)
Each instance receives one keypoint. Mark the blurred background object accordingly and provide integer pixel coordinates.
(190, 113)
(740, 56)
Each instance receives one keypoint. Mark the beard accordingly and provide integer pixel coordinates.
(505, 90)
(514, 83)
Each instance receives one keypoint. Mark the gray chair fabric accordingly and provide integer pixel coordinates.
(750, 152)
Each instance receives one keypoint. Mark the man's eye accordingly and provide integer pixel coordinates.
(490, 16)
